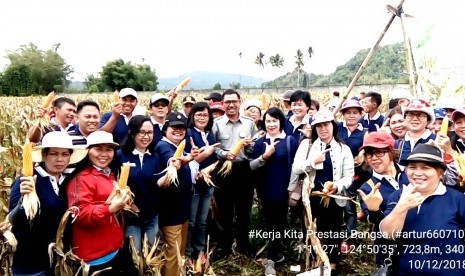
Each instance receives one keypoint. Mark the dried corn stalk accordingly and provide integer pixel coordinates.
(30, 202)
(227, 165)
(205, 174)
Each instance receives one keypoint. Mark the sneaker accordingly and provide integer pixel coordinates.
(279, 258)
(269, 267)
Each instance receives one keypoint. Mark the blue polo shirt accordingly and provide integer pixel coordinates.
(405, 146)
(175, 201)
(353, 140)
(199, 142)
(121, 128)
(289, 127)
(143, 177)
(443, 216)
(370, 124)
(76, 136)
(274, 176)
(33, 238)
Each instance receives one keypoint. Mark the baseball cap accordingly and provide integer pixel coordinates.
(287, 95)
(351, 103)
(176, 119)
(322, 116)
(217, 106)
(378, 140)
(188, 99)
(214, 96)
(127, 92)
(157, 97)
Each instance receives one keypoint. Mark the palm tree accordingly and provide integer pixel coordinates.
(300, 63)
(276, 61)
(259, 59)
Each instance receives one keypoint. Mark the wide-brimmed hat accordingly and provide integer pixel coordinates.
(427, 153)
(59, 139)
(378, 140)
(127, 92)
(214, 96)
(217, 106)
(100, 137)
(456, 113)
(322, 116)
(351, 104)
(158, 97)
(420, 106)
(176, 119)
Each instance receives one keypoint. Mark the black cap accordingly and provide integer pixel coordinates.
(176, 119)
(427, 153)
(214, 96)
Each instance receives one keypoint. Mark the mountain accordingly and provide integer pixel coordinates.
(387, 66)
(206, 80)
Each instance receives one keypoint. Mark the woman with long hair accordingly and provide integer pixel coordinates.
(54, 155)
(330, 166)
(145, 165)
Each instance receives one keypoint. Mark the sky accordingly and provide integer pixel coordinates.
(175, 37)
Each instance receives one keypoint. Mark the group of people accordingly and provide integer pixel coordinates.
(398, 164)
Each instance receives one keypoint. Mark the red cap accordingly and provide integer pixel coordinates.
(378, 140)
(217, 106)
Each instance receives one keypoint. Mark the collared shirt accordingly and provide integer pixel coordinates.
(359, 127)
(106, 171)
(281, 136)
(305, 120)
(412, 141)
(374, 118)
(440, 190)
(77, 136)
(388, 178)
(141, 155)
(228, 133)
(203, 134)
(53, 122)
(126, 118)
(155, 123)
(53, 179)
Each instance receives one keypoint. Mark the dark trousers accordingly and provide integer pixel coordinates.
(275, 216)
(121, 264)
(328, 219)
(234, 199)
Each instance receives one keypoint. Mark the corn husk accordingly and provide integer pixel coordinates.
(30, 201)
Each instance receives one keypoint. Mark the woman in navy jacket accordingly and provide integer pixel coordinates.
(145, 166)
(199, 125)
(34, 236)
(272, 158)
(175, 200)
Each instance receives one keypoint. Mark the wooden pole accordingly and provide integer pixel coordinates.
(410, 61)
(367, 59)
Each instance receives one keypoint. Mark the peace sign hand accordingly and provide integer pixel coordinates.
(373, 199)
(269, 149)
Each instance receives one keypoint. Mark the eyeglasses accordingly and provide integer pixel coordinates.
(378, 153)
(160, 104)
(143, 133)
(201, 115)
(417, 115)
(231, 102)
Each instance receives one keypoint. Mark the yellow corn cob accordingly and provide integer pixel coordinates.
(237, 147)
(182, 84)
(180, 149)
(444, 126)
(48, 99)
(123, 177)
(264, 99)
(115, 97)
(27, 159)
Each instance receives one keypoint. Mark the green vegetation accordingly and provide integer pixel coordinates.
(386, 67)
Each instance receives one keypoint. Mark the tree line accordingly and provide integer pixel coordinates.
(34, 71)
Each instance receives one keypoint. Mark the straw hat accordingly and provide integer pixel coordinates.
(58, 139)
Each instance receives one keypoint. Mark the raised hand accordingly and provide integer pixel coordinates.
(306, 131)
(117, 109)
(210, 149)
(321, 157)
(373, 199)
(410, 198)
(27, 184)
(269, 149)
(194, 149)
(39, 112)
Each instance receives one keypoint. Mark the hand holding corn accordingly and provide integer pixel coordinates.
(119, 202)
(31, 203)
(27, 184)
(329, 187)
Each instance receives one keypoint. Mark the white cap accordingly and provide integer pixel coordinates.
(158, 96)
(127, 92)
(322, 116)
(100, 137)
